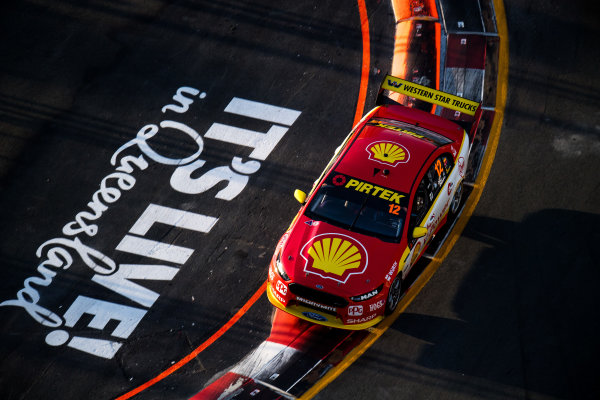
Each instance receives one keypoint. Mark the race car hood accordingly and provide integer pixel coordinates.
(319, 255)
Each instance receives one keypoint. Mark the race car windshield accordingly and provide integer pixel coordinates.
(375, 211)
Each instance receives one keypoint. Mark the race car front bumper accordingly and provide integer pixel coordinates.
(315, 316)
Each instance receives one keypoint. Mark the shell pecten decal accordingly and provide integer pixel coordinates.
(388, 153)
(334, 256)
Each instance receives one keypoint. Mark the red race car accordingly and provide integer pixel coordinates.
(381, 199)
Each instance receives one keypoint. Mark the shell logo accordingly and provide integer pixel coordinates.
(388, 153)
(334, 256)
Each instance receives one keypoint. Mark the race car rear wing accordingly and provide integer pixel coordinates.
(432, 96)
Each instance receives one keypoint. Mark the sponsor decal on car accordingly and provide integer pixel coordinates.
(382, 124)
(368, 188)
(334, 256)
(430, 95)
(278, 296)
(315, 316)
(376, 306)
(416, 253)
(315, 304)
(281, 288)
(339, 180)
(405, 128)
(388, 276)
(368, 295)
(388, 153)
(360, 320)
(461, 167)
(355, 311)
(433, 223)
(282, 241)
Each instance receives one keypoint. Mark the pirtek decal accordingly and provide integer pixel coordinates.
(374, 190)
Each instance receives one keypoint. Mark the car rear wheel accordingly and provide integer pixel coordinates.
(394, 295)
(455, 204)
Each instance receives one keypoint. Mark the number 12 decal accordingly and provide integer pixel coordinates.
(394, 209)
(438, 167)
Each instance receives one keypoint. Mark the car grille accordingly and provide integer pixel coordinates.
(317, 296)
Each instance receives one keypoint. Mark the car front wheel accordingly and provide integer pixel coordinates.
(394, 295)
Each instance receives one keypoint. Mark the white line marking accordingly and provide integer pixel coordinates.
(262, 143)
(119, 282)
(266, 112)
(174, 217)
(153, 249)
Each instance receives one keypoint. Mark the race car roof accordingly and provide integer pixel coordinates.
(391, 149)
(422, 119)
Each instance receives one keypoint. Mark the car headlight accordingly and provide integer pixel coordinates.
(280, 270)
(368, 295)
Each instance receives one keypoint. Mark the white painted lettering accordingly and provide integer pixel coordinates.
(126, 162)
(96, 347)
(149, 131)
(248, 167)
(108, 194)
(104, 312)
(153, 249)
(266, 112)
(94, 259)
(28, 297)
(182, 181)
(60, 252)
(37, 312)
(120, 281)
(174, 217)
(262, 143)
(184, 102)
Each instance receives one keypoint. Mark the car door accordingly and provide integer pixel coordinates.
(429, 207)
(436, 178)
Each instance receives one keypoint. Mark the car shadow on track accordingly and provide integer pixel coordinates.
(527, 310)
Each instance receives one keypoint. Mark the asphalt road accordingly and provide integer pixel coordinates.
(80, 80)
(512, 312)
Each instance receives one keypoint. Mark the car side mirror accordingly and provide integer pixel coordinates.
(300, 196)
(419, 232)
